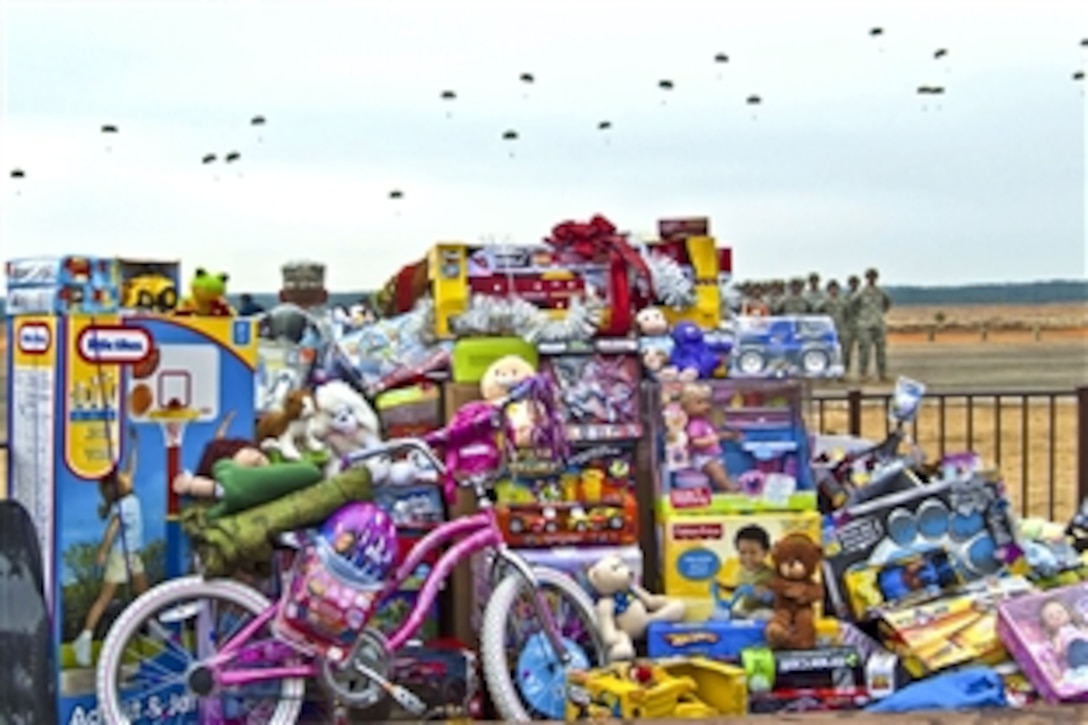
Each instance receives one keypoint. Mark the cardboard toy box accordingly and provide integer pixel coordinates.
(62, 286)
(701, 560)
(680, 688)
(444, 675)
(722, 640)
(91, 395)
(951, 632)
(831, 678)
(590, 500)
(969, 518)
(1046, 635)
(764, 448)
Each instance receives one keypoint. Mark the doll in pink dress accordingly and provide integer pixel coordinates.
(704, 441)
(1067, 635)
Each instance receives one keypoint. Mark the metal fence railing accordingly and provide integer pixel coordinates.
(1037, 438)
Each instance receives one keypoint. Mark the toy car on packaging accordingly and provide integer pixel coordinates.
(803, 346)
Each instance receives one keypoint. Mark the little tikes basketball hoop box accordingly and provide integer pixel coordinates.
(103, 412)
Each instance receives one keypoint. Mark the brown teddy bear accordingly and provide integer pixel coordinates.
(796, 592)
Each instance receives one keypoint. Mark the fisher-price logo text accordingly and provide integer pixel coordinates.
(34, 338)
(114, 345)
(697, 532)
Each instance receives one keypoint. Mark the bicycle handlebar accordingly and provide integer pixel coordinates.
(392, 447)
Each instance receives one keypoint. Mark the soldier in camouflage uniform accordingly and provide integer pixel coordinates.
(834, 306)
(775, 293)
(815, 295)
(848, 333)
(871, 304)
(795, 303)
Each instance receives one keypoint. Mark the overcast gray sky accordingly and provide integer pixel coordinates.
(840, 168)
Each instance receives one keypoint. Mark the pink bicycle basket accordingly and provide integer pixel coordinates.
(325, 603)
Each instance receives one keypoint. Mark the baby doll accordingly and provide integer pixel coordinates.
(237, 475)
(704, 441)
(1067, 635)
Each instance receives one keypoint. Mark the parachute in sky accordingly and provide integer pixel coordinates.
(755, 102)
(208, 159)
(258, 122)
(17, 175)
(877, 33)
(108, 129)
(232, 156)
(1078, 75)
(720, 59)
(666, 87)
(448, 96)
(605, 127)
(396, 194)
(527, 79)
(510, 136)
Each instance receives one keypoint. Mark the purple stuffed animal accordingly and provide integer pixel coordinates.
(691, 353)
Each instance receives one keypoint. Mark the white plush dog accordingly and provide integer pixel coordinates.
(346, 423)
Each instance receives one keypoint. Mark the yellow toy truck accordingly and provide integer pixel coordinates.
(679, 688)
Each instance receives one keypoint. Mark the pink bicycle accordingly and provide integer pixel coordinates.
(219, 651)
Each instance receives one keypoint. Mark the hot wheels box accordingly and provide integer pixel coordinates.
(1046, 633)
(953, 631)
(719, 640)
(62, 286)
(707, 559)
(732, 446)
(968, 518)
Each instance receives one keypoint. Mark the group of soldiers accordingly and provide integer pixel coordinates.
(858, 312)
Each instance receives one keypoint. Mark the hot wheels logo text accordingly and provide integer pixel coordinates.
(34, 338)
(116, 345)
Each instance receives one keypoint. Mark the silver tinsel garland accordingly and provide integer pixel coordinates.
(671, 286)
(512, 316)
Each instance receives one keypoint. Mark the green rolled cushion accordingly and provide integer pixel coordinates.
(244, 487)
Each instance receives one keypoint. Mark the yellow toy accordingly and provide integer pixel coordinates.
(207, 296)
(150, 292)
(685, 689)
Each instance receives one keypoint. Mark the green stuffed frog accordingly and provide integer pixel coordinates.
(207, 295)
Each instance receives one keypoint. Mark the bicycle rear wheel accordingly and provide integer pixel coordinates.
(525, 677)
(147, 663)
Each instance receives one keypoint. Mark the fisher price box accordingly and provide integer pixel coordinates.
(104, 411)
(708, 558)
(731, 446)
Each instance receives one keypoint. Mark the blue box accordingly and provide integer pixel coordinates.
(719, 640)
(68, 285)
(93, 395)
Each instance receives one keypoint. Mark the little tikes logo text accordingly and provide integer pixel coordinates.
(35, 338)
(114, 345)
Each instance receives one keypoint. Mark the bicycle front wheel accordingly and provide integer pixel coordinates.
(148, 663)
(526, 678)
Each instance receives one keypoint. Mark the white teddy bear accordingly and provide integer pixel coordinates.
(625, 609)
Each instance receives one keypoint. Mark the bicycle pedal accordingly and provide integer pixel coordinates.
(404, 697)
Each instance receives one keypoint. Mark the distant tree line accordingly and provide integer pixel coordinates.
(1029, 293)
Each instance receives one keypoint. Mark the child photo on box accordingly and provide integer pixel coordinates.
(753, 545)
(119, 553)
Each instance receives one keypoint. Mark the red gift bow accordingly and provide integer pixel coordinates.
(598, 238)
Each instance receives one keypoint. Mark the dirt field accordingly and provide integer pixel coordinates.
(1060, 316)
